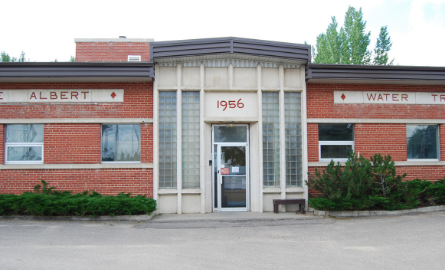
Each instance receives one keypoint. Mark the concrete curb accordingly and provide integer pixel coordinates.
(369, 213)
(83, 218)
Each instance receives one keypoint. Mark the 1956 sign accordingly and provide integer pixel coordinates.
(61, 95)
(231, 105)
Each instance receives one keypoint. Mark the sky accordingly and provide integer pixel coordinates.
(45, 30)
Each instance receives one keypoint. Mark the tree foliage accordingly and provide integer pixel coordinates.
(4, 57)
(350, 44)
(382, 48)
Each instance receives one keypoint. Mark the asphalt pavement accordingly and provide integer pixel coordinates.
(280, 241)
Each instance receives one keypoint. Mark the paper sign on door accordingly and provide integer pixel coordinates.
(235, 169)
(225, 171)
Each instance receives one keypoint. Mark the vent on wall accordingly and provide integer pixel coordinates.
(134, 58)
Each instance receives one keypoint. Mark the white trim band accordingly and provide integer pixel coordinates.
(375, 121)
(77, 166)
(77, 121)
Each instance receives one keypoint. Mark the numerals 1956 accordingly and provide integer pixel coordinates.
(231, 104)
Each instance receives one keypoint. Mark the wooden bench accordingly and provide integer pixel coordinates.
(277, 202)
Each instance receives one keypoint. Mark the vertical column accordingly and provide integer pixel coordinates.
(201, 139)
(260, 137)
(230, 76)
(156, 136)
(179, 136)
(282, 135)
(304, 166)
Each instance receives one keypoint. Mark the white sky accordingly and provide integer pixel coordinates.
(45, 29)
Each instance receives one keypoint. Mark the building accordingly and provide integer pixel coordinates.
(221, 124)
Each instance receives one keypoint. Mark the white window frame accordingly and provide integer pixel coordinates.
(320, 143)
(116, 162)
(24, 144)
(437, 146)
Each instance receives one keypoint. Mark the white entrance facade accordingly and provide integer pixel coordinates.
(196, 97)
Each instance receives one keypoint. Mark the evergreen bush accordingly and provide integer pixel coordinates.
(371, 185)
(45, 201)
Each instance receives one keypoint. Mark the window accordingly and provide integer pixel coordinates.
(190, 140)
(24, 144)
(271, 140)
(167, 139)
(121, 143)
(422, 142)
(294, 142)
(336, 141)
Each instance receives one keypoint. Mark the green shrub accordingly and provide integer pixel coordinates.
(46, 201)
(369, 185)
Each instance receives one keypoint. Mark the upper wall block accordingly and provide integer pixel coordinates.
(112, 49)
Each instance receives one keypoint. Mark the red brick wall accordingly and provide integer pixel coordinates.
(386, 139)
(147, 143)
(138, 102)
(312, 142)
(320, 103)
(72, 143)
(104, 181)
(431, 173)
(376, 138)
(111, 51)
(2, 144)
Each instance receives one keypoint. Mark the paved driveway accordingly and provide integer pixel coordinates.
(406, 242)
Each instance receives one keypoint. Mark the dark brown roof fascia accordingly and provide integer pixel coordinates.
(231, 45)
(368, 72)
(76, 70)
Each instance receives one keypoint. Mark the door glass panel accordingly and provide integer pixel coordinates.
(233, 173)
(230, 134)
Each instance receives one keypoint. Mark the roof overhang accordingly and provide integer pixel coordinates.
(240, 48)
(76, 72)
(367, 74)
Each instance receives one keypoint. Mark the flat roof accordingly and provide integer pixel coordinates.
(75, 71)
(332, 73)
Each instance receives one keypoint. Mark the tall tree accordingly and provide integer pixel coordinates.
(382, 48)
(350, 44)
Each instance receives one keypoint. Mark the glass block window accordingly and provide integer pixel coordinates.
(422, 142)
(271, 139)
(336, 141)
(190, 140)
(293, 132)
(121, 143)
(24, 144)
(167, 139)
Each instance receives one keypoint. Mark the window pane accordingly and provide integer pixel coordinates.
(190, 134)
(121, 143)
(230, 134)
(335, 151)
(24, 133)
(422, 141)
(271, 140)
(292, 113)
(335, 132)
(24, 153)
(167, 139)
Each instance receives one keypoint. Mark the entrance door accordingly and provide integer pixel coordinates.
(231, 168)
